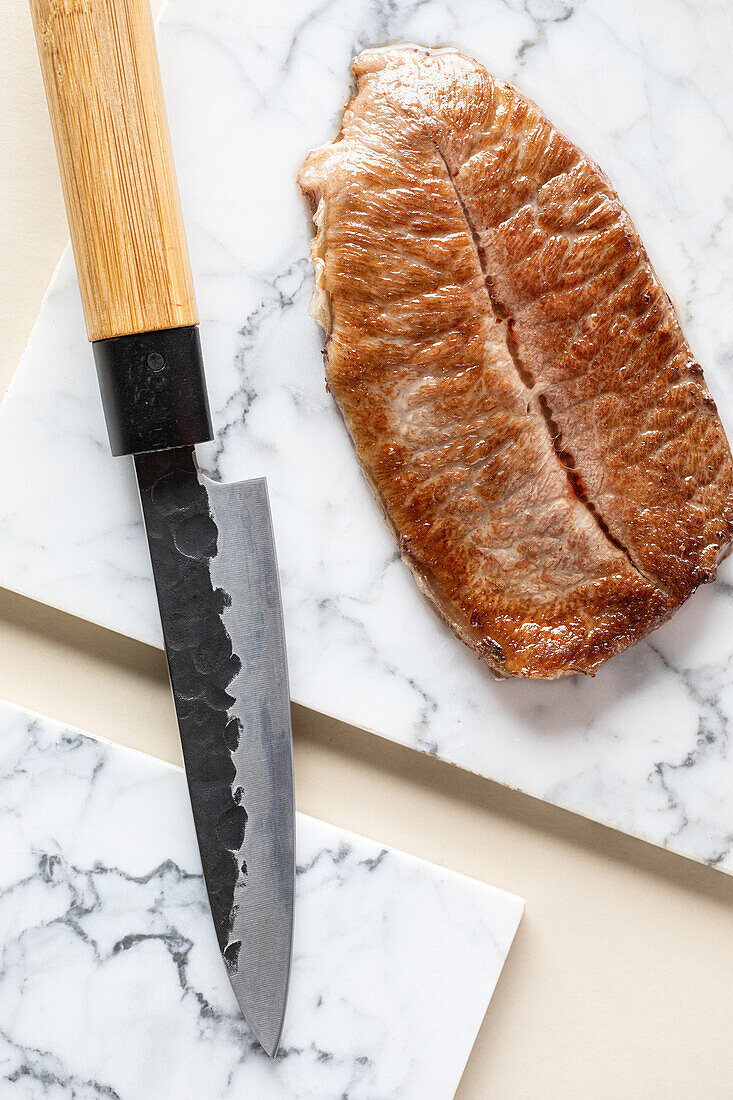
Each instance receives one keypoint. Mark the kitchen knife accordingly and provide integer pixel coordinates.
(211, 545)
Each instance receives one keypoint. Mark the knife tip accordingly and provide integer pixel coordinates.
(272, 1051)
(270, 1042)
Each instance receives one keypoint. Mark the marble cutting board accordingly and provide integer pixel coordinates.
(647, 89)
(111, 983)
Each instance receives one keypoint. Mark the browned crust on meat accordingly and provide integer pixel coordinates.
(513, 376)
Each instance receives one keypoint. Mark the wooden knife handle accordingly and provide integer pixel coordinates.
(100, 70)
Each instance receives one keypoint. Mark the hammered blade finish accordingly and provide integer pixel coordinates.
(215, 569)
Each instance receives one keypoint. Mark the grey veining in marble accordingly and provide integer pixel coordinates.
(111, 982)
(647, 90)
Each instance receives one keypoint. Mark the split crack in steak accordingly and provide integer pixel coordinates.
(514, 378)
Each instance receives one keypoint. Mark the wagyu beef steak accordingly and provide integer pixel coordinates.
(514, 378)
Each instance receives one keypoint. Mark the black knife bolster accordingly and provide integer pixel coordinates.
(153, 390)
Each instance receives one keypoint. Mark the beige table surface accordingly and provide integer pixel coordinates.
(620, 982)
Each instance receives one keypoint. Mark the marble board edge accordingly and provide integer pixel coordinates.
(35, 715)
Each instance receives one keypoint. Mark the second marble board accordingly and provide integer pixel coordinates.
(646, 90)
(112, 984)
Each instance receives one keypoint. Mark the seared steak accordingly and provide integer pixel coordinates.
(513, 376)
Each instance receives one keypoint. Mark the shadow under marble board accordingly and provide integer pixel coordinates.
(112, 984)
(647, 90)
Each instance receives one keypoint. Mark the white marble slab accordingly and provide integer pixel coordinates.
(647, 89)
(111, 983)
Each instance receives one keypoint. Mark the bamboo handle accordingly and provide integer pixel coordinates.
(100, 70)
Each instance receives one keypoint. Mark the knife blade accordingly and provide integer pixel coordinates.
(214, 563)
(211, 544)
